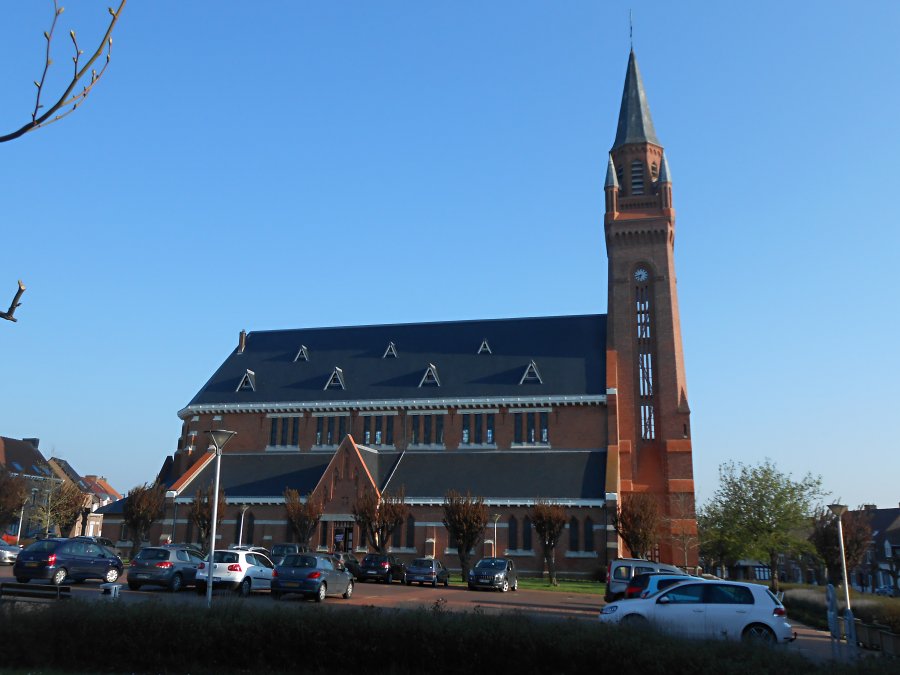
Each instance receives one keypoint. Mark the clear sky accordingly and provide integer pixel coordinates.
(266, 165)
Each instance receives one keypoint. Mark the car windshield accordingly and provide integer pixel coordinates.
(372, 558)
(282, 549)
(226, 557)
(421, 562)
(491, 564)
(152, 554)
(299, 561)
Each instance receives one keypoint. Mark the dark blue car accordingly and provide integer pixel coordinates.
(313, 576)
(59, 559)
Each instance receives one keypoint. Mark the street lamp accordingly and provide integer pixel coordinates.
(21, 516)
(241, 530)
(496, 518)
(218, 438)
(47, 528)
(839, 510)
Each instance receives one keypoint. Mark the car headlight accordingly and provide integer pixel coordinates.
(609, 609)
(498, 577)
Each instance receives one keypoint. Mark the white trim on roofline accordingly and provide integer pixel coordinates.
(508, 501)
(372, 404)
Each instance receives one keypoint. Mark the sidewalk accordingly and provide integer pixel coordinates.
(817, 645)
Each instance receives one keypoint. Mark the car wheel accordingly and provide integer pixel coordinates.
(635, 621)
(320, 593)
(760, 633)
(389, 579)
(504, 586)
(176, 583)
(59, 576)
(446, 581)
(245, 587)
(22, 580)
(471, 587)
(434, 583)
(515, 585)
(408, 582)
(111, 576)
(133, 586)
(349, 591)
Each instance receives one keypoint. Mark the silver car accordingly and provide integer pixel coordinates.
(8, 553)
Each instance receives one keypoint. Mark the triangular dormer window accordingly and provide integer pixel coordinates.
(485, 348)
(302, 354)
(391, 351)
(430, 378)
(248, 382)
(336, 381)
(532, 374)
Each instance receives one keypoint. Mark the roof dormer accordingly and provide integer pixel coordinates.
(336, 381)
(531, 374)
(248, 382)
(430, 378)
(302, 354)
(390, 352)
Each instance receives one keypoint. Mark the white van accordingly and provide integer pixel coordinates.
(621, 570)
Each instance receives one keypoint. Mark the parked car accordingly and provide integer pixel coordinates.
(887, 591)
(381, 567)
(103, 541)
(313, 576)
(279, 551)
(241, 571)
(708, 609)
(427, 571)
(348, 561)
(499, 573)
(649, 583)
(58, 559)
(621, 571)
(8, 553)
(254, 549)
(173, 567)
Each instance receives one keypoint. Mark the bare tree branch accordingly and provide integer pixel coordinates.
(67, 98)
(8, 315)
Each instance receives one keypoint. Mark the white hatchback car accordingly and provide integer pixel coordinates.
(708, 609)
(241, 571)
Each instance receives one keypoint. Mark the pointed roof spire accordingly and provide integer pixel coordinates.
(664, 174)
(635, 123)
(611, 178)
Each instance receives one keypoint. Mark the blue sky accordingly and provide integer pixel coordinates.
(272, 165)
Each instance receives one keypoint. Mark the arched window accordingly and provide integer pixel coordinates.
(512, 534)
(637, 178)
(395, 537)
(410, 532)
(526, 533)
(654, 171)
(573, 534)
(588, 534)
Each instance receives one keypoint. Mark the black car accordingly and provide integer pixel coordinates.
(279, 551)
(427, 571)
(173, 567)
(58, 559)
(499, 573)
(348, 561)
(381, 567)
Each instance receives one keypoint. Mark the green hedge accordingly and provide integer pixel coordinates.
(807, 605)
(259, 637)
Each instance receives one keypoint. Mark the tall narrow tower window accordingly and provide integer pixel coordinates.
(637, 178)
(644, 353)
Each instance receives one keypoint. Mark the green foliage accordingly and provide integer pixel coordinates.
(293, 637)
(465, 518)
(807, 605)
(758, 512)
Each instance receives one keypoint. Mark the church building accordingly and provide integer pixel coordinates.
(577, 410)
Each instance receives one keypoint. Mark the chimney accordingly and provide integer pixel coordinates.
(35, 442)
(242, 342)
(869, 507)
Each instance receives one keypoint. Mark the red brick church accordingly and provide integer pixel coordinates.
(578, 410)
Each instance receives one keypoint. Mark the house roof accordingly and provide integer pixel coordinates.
(23, 457)
(101, 488)
(568, 352)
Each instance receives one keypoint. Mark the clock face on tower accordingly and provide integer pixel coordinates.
(641, 275)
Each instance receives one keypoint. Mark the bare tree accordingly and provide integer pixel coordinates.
(549, 521)
(465, 519)
(201, 515)
(144, 505)
(857, 537)
(83, 72)
(59, 507)
(303, 515)
(682, 525)
(379, 518)
(636, 521)
(13, 493)
(8, 314)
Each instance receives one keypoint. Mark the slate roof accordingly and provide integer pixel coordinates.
(635, 122)
(261, 475)
(24, 458)
(503, 474)
(70, 473)
(569, 352)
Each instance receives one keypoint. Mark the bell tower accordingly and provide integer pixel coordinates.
(649, 444)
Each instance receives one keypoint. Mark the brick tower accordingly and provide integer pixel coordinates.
(649, 445)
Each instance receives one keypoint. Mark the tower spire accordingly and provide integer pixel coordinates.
(635, 122)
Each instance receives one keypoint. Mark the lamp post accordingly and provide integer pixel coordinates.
(241, 530)
(218, 438)
(47, 528)
(839, 510)
(496, 518)
(21, 516)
